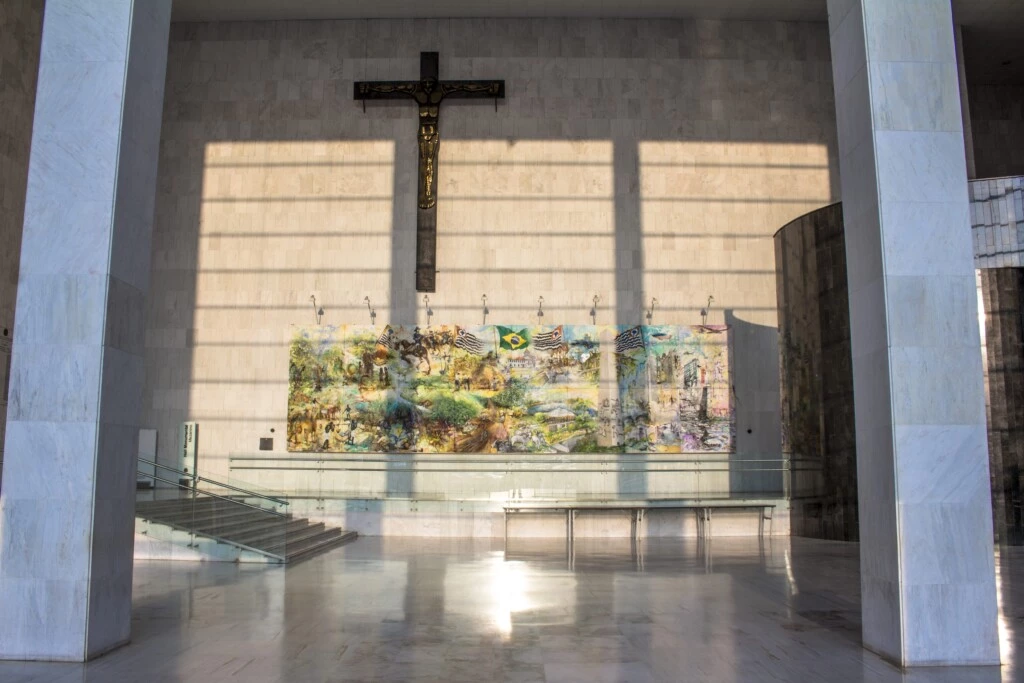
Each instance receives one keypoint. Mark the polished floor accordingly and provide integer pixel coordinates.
(735, 610)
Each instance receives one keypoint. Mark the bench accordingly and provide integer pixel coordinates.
(638, 508)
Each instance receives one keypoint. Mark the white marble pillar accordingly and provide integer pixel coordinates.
(927, 573)
(67, 507)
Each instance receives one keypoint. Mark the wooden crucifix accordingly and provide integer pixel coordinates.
(428, 92)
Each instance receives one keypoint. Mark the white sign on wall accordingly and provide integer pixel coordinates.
(188, 445)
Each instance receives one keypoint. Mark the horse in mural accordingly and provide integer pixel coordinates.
(409, 349)
(436, 340)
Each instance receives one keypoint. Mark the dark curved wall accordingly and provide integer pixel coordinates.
(997, 223)
(21, 23)
(816, 375)
(1002, 290)
(997, 127)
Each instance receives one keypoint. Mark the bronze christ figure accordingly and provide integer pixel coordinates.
(428, 93)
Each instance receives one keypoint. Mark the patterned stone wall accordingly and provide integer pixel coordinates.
(630, 160)
(20, 28)
(1002, 290)
(997, 127)
(816, 375)
(997, 222)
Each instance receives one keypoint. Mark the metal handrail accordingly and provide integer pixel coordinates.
(214, 495)
(543, 458)
(196, 477)
(450, 470)
(192, 530)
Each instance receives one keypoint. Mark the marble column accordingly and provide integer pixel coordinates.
(927, 571)
(67, 506)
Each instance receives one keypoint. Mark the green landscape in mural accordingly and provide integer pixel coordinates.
(514, 389)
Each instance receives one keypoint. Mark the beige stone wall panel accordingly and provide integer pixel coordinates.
(630, 159)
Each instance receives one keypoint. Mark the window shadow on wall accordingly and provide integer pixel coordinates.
(299, 112)
(629, 294)
(400, 480)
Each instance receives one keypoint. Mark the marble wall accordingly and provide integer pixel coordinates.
(21, 27)
(630, 160)
(76, 374)
(997, 126)
(922, 461)
(816, 375)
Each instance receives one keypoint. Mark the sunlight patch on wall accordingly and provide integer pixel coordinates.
(524, 219)
(281, 221)
(708, 213)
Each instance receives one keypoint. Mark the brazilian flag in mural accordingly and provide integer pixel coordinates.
(512, 339)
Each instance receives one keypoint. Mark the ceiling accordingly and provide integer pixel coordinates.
(993, 29)
(207, 10)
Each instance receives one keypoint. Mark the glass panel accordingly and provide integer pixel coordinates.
(232, 487)
(221, 486)
(232, 521)
(183, 510)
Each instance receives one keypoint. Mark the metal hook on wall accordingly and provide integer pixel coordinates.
(369, 307)
(540, 309)
(318, 312)
(704, 311)
(650, 311)
(430, 311)
(486, 310)
(593, 311)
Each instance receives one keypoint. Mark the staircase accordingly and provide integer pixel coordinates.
(254, 526)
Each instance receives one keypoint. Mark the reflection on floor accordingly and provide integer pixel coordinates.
(384, 609)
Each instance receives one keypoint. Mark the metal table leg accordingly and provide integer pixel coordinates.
(570, 524)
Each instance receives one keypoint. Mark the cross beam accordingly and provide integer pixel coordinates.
(428, 92)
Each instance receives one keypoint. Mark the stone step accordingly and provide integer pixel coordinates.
(233, 527)
(206, 518)
(284, 538)
(281, 544)
(258, 535)
(184, 509)
(159, 506)
(331, 538)
(294, 541)
(183, 504)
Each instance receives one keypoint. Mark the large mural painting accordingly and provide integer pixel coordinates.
(674, 390)
(509, 389)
